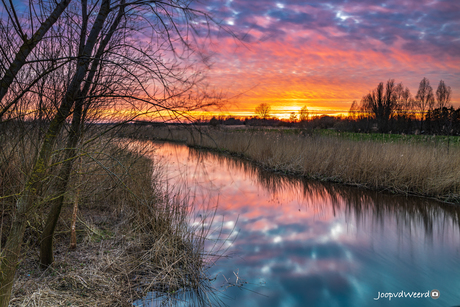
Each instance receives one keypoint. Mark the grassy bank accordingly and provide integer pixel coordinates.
(415, 168)
(132, 237)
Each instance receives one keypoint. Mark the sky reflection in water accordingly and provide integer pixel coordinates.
(303, 243)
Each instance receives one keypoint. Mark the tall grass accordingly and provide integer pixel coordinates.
(133, 237)
(408, 168)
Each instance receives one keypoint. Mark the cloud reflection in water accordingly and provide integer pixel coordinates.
(306, 243)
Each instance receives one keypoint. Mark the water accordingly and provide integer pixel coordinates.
(293, 242)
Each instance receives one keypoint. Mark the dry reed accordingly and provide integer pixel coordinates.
(133, 238)
(407, 168)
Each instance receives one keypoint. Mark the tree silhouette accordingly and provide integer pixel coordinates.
(303, 114)
(443, 94)
(382, 102)
(263, 110)
(424, 100)
(353, 113)
(17, 36)
(405, 100)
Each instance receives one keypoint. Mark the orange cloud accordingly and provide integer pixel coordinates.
(309, 68)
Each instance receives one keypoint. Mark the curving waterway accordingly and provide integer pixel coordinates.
(293, 242)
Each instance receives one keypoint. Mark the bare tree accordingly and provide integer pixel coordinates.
(28, 44)
(382, 102)
(353, 113)
(107, 67)
(443, 94)
(424, 100)
(405, 102)
(263, 110)
(28, 199)
(405, 98)
(303, 114)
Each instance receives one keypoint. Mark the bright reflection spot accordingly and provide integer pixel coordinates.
(336, 230)
(277, 239)
(231, 22)
(280, 5)
(229, 224)
(313, 255)
(265, 269)
(200, 223)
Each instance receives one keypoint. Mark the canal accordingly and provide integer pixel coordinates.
(293, 242)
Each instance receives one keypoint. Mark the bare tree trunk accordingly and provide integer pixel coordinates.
(28, 198)
(46, 244)
(73, 231)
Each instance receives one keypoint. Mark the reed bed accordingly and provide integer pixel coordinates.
(407, 168)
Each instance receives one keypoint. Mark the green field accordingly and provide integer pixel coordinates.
(435, 140)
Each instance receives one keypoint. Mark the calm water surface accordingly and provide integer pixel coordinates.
(303, 243)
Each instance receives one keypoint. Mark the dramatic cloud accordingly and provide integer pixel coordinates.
(324, 54)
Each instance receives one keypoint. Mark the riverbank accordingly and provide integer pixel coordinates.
(132, 236)
(412, 168)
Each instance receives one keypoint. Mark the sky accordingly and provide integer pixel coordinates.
(325, 54)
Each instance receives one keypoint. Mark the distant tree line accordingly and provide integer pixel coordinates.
(390, 107)
(262, 118)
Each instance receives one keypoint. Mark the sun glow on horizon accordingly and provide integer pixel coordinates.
(326, 56)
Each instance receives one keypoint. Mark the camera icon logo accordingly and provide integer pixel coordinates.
(435, 294)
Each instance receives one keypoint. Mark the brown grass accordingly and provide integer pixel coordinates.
(133, 238)
(419, 169)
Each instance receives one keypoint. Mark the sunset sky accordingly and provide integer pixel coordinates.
(325, 54)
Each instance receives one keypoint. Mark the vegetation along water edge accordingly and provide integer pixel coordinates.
(411, 166)
(132, 237)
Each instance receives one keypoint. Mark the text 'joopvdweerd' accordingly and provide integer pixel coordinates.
(434, 294)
